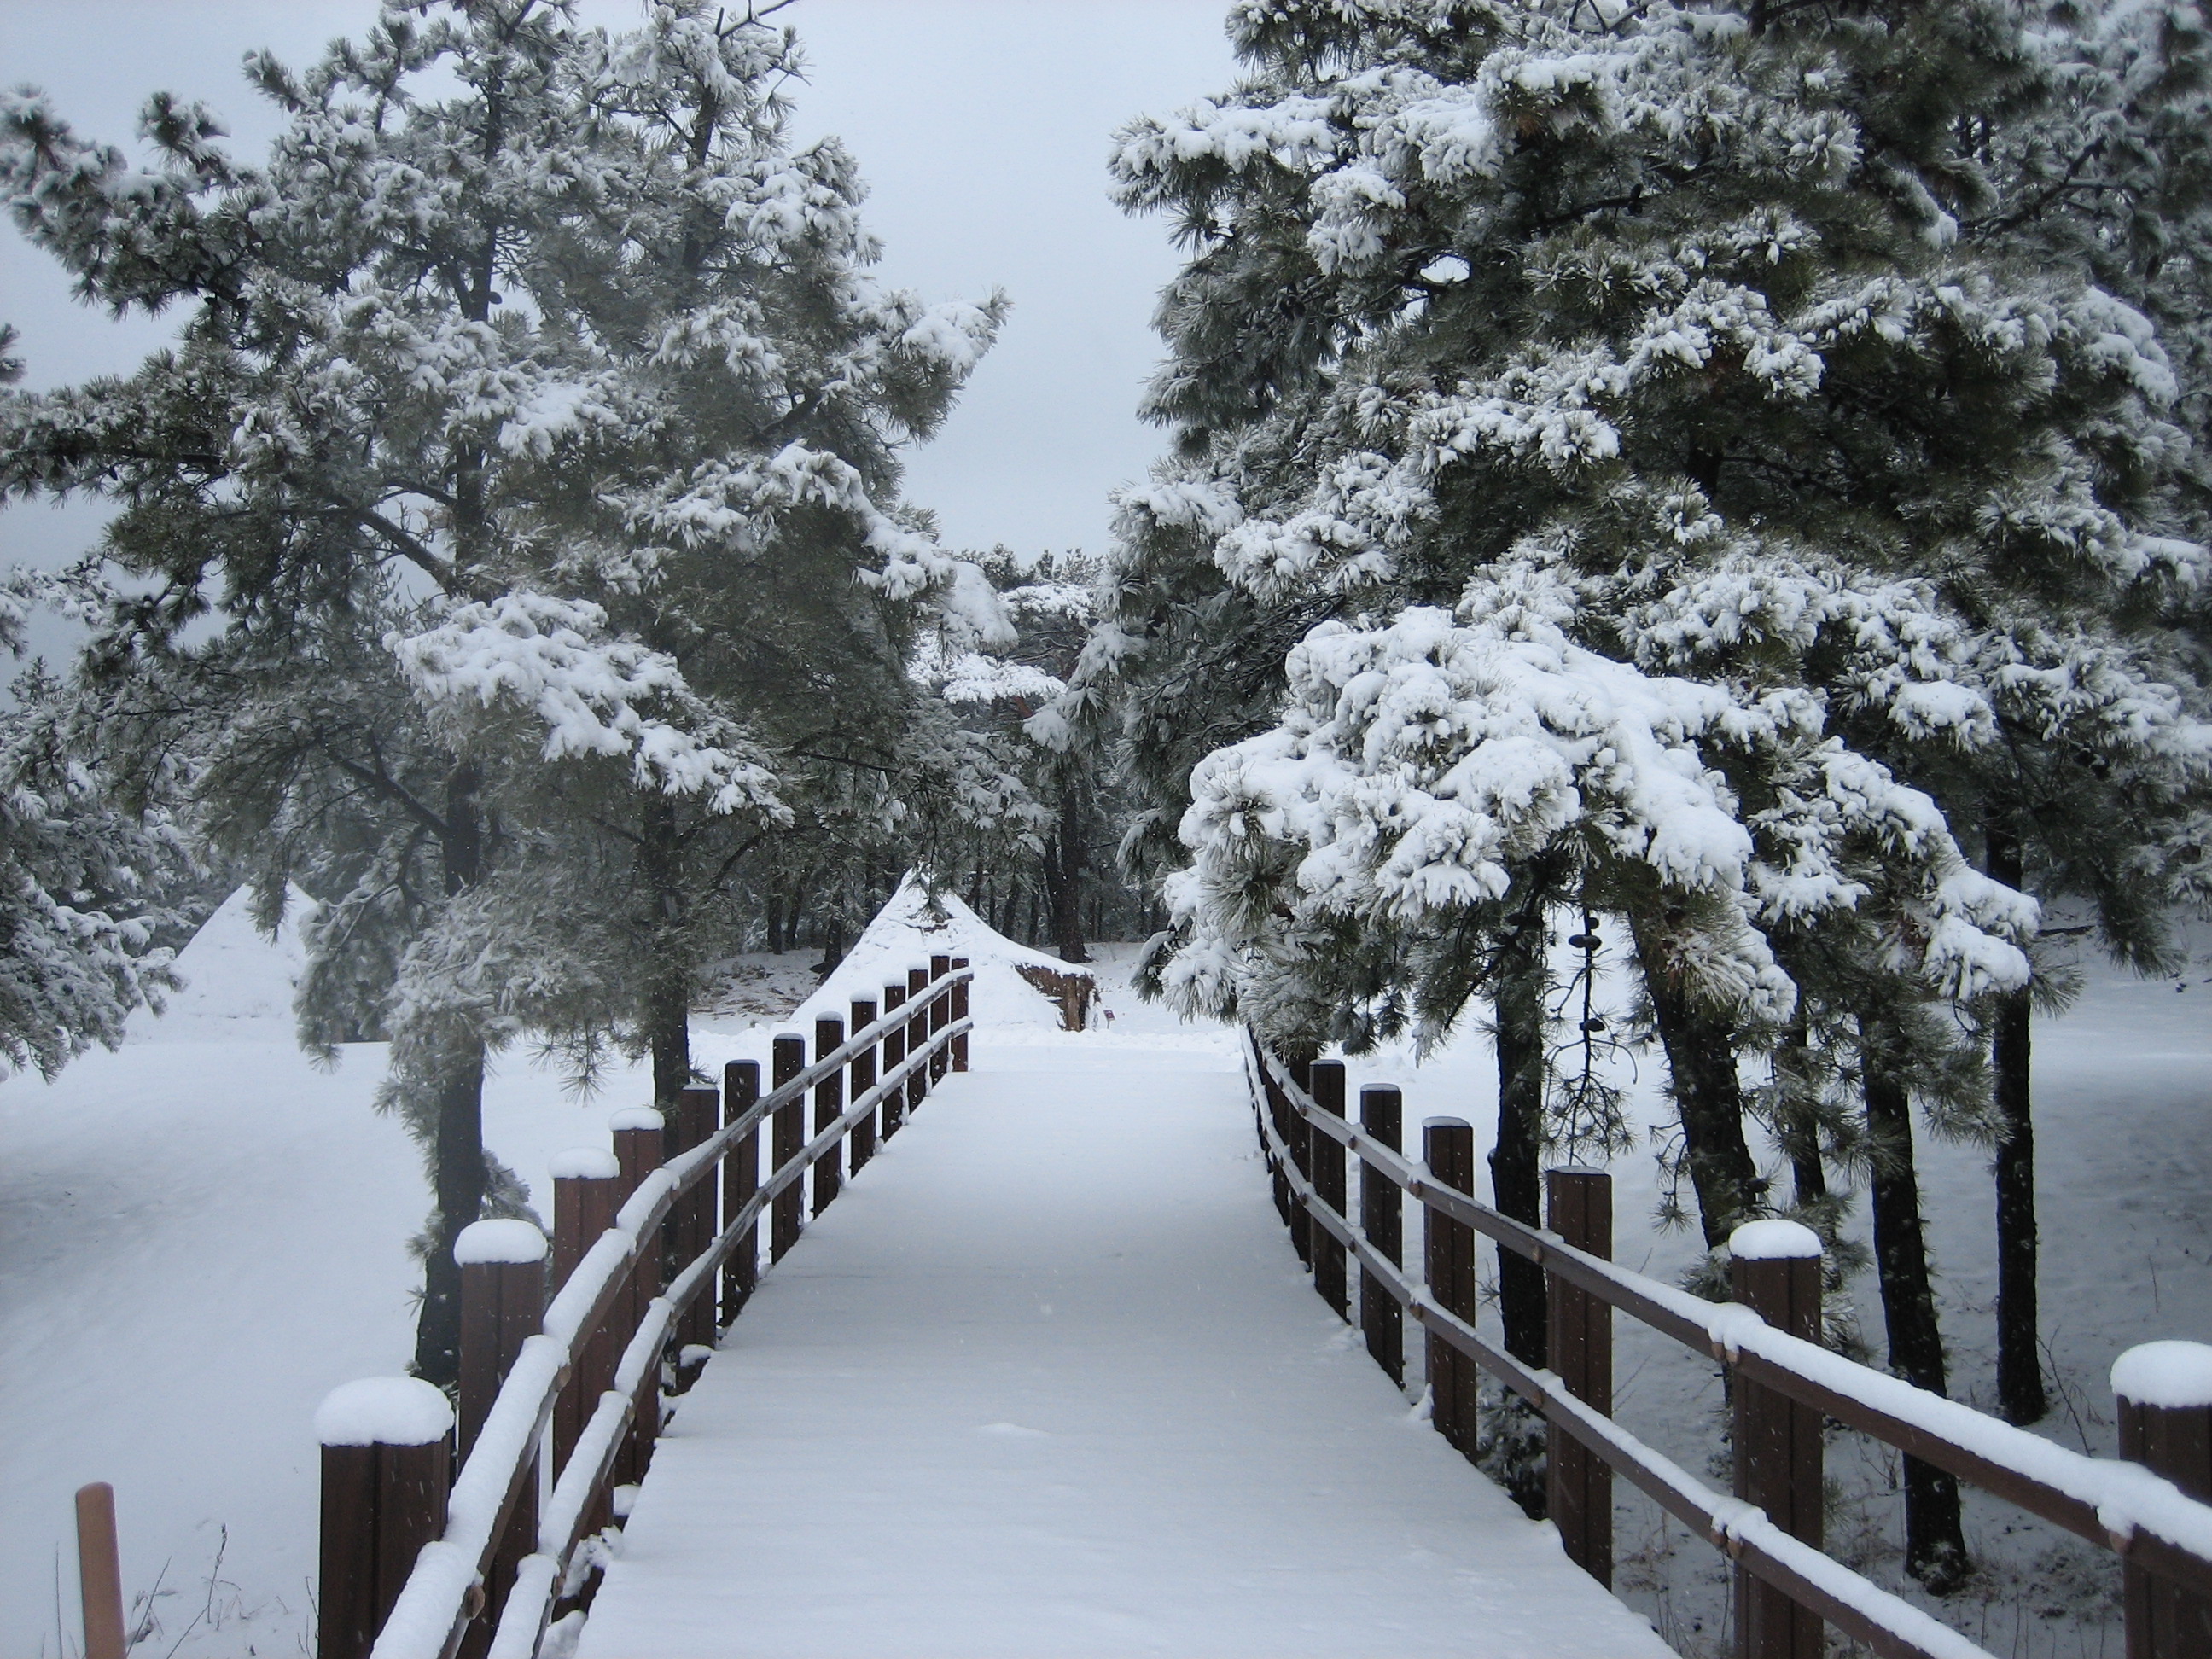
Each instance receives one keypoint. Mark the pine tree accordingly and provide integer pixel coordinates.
(1656, 504)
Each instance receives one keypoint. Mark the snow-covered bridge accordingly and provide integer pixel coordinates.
(1048, 1380)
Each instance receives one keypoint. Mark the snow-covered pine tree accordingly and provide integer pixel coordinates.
(1777, 524)
(551, 342)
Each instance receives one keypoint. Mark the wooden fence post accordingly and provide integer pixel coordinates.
(1448, 1249)
(828, 1106)
(691, 1228)
(99, 1572)
(1272, 1102)
(894, 1057)
(502, 1267)
(1382, 1219)
(787, 1211)
(863, 1079)
(387, 1466)
(1327, 1159)
(740, 1180)
(1578, 1484)
(1296, 1138)
(917, 1037)
(587, 1181)
(1774, 1269)
(2164, 1391)
(940, 1015)
(959, 1014)
(640, 1136)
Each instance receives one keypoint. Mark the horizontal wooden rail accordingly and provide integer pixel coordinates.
(446, 1590)
(2159, 1529)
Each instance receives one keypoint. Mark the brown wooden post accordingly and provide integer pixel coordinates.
(1447, 1248)
(1578, 1484)
(587, 1181)
(940, 1015)
(1382, 1219)
(787, 1210)
(1270, 1102)
(99, 1572)
(828, 1106)
(894, 1056)
(2164, 1391)
(917, 1037)
(1331, 1271)
(863, 1079)
(1774, 1269)
(640, 1136)
(503, 1265)
(1296, 1138)
(387, 1466)
(959, 1014)
(693, 1224)
(740, 1180)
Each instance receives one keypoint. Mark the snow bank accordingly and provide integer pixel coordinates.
(482, 1241)
(2166, 1375)
(1773, 1240)
(235, 976)
(910, 929)
(383, 1411)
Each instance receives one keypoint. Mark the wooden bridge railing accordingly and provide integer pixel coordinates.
(2150, 1511)
(559, 1401)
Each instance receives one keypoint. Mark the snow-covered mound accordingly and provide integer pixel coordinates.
(234, 976)
(911, 928)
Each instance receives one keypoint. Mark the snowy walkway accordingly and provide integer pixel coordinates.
(1047, 1380)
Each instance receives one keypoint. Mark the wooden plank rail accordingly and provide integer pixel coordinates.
(1785, 1382)
(610, 1301)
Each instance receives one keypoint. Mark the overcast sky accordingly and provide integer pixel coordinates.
(982, 126)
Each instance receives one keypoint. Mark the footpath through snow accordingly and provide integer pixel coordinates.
(1048, 1380)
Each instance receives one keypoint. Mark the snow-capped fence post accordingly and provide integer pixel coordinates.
(502, 1267)
(917, 1037)
(940, 1015)
(788, 1213)
(1579, 1484)
(863, 1079)
(1448, 1250)
(1298, 1140)
(99, 1572)
(691, 1228)
(1382, 1219)
(828, 1106)
(1774, 1269)
(640, 1134)
(1272, 1102)
(587, 1181)
(959, 1014)
(2164, 1392)
(740, 1180)
(387, 1466)
(1330, 1269)
(894, 1057)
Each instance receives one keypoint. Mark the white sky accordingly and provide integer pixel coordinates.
(982, 126)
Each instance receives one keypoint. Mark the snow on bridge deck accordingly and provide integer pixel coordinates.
(1047, 1380)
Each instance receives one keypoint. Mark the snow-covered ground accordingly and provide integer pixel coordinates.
(203, 1233)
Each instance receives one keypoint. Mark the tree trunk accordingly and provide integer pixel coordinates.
(2020, 1367)
(1515, 1184)
(1797, 1124)
(1064, 863)
(667, 993)
(457, 1156)
(1708, 1095)
(1935, 1539)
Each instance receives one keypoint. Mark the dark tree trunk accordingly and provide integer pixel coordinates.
(1935, 1539)
(1516, 1183)
(1708, 1095)
(667, 990)
(1799, 1127)
(457, 1156)
(1064, 863)
(2020, 1367)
